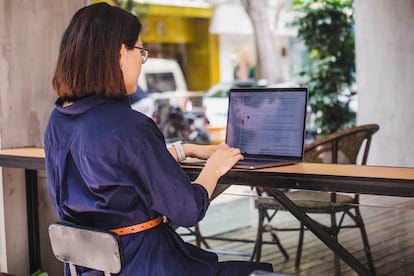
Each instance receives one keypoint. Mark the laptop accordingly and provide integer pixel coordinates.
(267, 125)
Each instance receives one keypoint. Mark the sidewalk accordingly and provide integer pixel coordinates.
(232, 210)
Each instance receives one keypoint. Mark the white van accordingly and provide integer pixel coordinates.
(161, 75)
(163, 79)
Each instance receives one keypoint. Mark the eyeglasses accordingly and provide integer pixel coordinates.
(144, 53)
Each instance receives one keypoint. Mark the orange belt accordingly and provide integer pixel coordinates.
(137, 227)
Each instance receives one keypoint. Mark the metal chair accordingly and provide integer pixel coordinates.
(87, 247)
(341, 147)
(201, 240)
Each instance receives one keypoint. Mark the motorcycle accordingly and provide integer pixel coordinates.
(176, 124)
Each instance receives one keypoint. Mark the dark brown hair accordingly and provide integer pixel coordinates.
(88, 62)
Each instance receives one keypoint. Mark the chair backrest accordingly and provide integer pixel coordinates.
(88, 247)
(342, 147)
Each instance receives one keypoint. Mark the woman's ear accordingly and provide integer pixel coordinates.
(122, 55)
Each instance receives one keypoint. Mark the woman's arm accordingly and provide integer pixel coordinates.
(194, 150)
(220, 159)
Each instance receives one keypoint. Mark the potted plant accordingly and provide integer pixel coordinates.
(326, 27)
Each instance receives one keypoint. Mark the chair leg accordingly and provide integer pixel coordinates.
(334, 234)
(257, 249)
(72, 269)
(300, 245)
(280, 246)
(199, 238)
(359, 221)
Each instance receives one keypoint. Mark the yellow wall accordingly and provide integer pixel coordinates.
(187, 28)
(171, 29)
(202, 57)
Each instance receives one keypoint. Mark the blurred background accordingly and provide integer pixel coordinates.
(355, 57)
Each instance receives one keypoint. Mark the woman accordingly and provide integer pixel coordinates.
(108, 166)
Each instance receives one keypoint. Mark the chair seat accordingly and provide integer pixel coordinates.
(311, 201)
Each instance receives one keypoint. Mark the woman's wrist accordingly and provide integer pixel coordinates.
(179, 149)
(208, 178)
(189, 150)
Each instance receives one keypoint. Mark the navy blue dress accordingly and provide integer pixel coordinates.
(108, 167)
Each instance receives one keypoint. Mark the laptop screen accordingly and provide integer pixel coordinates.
(267, 121)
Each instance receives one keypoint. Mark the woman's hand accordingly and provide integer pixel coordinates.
(202, 151)
(219, 163)
(222, 160)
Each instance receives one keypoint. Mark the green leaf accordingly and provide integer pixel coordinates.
(326, 29)
(40, 273)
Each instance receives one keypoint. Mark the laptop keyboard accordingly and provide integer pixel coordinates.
(259, 161)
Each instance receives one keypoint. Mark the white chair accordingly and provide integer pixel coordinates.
(87, 247)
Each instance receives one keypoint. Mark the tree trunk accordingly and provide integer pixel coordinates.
(269, 65)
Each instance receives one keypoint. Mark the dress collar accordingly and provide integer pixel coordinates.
(86, 103)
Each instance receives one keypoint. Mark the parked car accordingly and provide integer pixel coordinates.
(161, 75)
(164, 80)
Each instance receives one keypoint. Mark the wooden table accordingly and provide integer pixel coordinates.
(31, 160)
(376, 180)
